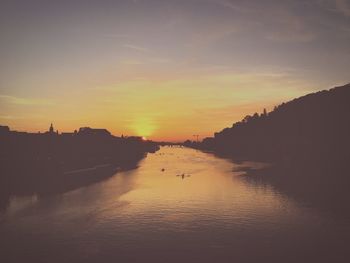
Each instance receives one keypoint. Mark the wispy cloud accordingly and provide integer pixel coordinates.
(153, 60)
(286, 26)
(291, 36)
(137, 48)
(276, 21)
(233, 6)
(343, 7)
(10, 117)
(25, 101)
(123, 36)
(160, 60)
(132, 62)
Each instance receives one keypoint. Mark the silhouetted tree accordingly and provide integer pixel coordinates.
(313, 126)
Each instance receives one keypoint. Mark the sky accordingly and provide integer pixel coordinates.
(162, 69)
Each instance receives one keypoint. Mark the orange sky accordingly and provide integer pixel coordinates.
(171, 108)
(165, 70)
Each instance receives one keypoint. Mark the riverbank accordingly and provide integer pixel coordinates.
(321, 183)
(307, 142)
(50, 162)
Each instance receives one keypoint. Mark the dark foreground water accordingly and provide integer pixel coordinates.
(196, 210)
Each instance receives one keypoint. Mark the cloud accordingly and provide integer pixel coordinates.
(230, 5)
(137, 48)
(285, 26)
(132, 62)
(25, 101)
(116, 36)
(213, 33)
(291, 36)
(147, 61)
(276, 21)
(343, 6)
(160, 60)
(9, 117)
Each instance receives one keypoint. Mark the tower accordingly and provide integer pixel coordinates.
(51, 129)
(197, 136)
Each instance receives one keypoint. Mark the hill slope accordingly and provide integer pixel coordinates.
(307, 141)
(312, 127)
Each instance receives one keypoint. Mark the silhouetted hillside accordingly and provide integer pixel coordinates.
(307, 140)
(310, 127)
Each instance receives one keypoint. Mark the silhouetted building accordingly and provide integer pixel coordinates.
(4, 130)
(68, 134)
(43, 162)
(90, 131)
(134, 138)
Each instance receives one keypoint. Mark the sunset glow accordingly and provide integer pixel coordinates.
(143, 127)
(167, 69)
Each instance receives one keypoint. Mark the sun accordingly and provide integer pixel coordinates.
(144, 138)
(143, 127)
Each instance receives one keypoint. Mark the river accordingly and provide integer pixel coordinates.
(179, 205)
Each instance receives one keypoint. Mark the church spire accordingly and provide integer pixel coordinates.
(51, 128)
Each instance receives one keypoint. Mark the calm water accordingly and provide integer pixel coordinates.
(210, 214)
